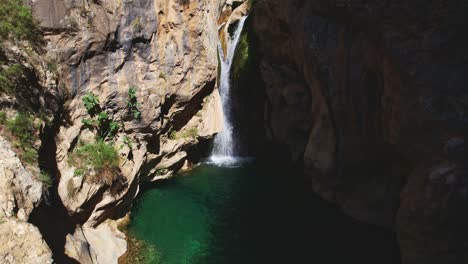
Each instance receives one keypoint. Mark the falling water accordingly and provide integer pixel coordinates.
(224, 144)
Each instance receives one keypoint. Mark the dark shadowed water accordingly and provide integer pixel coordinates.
(253, 213)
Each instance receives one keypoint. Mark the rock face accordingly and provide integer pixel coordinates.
(104, 244)
(22, 243)
(437, 190)
(363, 95)
(20, 193)
(164, 50)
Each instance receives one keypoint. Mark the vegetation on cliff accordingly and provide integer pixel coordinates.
(98, 160)
(16, 24)
(16, 21)
(22, 130)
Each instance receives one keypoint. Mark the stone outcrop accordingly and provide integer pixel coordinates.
(167, 52)
(363, 95)
(20, 190)
(104, 244)
(22, 243)
(20, 193)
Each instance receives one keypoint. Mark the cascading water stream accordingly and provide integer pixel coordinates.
(224, 144)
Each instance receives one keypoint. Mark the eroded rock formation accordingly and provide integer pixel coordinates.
(20, 193)
(363, 95)
(166, 51)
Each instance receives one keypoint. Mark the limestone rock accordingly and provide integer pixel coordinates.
(100, 245)
(167, 51)
(22, 243)
(20, 191)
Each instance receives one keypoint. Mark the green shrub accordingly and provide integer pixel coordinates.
(22, 127)
(128, 142)
(161, 172)
(191, 133)
(16, 21)
(45, 178)
(91, 103)
(132, 104)
(101, 122)
(9, 76)
(30, 155)
(162, 76)
(113, 128)
(100, 157)
(78, 172)
(88, 122)
(173, 135)
(3, 118)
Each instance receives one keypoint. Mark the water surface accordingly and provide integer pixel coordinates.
(253, 213)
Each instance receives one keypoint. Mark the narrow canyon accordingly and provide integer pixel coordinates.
(233, 131)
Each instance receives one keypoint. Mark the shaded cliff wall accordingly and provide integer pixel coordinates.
(167, 52)
(364, 96)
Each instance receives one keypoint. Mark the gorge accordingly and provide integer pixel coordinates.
(125, 128)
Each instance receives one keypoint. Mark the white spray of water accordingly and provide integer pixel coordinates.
(224, 144)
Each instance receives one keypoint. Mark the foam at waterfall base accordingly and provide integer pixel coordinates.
(228, 161)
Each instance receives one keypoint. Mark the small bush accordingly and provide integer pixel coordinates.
(173, 135)
(161, 172)
(132, 104)
(22, 127)
(3, 118)
(45, 178)
(113, 128)
(190, 133)
(105, 126)
(30, 155)
(128, 142)
(88, 122)
(16, 21)
(91, 103)
(99, 159)
(9, 77)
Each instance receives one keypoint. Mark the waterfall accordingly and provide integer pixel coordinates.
(224, 144)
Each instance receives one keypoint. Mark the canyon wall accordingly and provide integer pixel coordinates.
(370, 99)
(149, 69)
(166, 52)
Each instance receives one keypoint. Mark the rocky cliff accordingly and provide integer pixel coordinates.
(20, 192)
(137, 97)
(164, 55)
(364, 96)
(368, 98)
